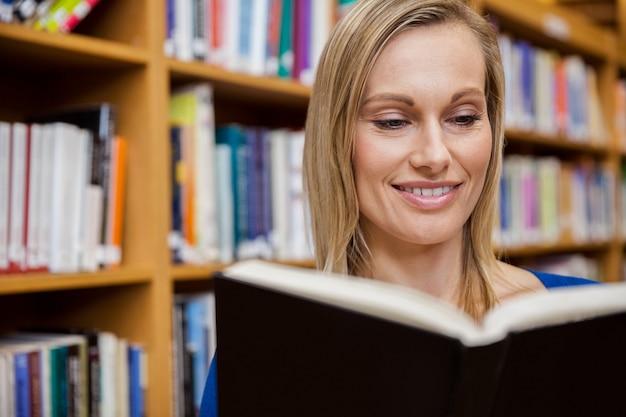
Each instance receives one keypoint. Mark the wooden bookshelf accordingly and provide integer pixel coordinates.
(116, 55)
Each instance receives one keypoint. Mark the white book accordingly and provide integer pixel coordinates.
(279, 157)
(107, 345)
(5, 178)
(122, 375)
(66, 194)
(34, 196)
(45, 211)
(94, 200)
(6, 394)
(258, 33)
(83, 174)
(183, 26)
(231, 34)
(298, 243)
(321, 25)
(17, 210)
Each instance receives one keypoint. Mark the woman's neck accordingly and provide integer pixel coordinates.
(434, 269)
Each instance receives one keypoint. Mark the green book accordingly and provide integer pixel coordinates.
(285, 46)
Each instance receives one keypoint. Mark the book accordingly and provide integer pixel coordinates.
(113, 236)
(5, 189)
(310, 343)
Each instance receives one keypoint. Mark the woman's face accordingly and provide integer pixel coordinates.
(423, 138)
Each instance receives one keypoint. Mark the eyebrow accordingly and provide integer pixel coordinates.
(408, 101)
(390, 97)
(468, 92)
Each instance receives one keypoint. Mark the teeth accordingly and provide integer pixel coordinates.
(428, 191)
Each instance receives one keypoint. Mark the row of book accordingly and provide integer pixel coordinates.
(551, 94)
(281, 38)
(49, 15)
(194, 343)
(236, 190)
(62, 192)
(79, 372)
(545, 200)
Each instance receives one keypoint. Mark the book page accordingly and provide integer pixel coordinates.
(559, 305)
(392, 302)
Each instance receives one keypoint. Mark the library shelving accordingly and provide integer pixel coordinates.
(117, 55)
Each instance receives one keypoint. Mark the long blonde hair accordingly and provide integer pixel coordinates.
(349, 55)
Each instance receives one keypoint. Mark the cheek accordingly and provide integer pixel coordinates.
(374, 158)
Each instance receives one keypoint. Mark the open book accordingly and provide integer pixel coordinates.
(298, 342)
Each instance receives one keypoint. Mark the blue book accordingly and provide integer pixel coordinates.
(196, 310)
(22, 384)
(135, 384)
(234, 136)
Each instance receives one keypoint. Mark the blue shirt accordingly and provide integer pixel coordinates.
(208, 407)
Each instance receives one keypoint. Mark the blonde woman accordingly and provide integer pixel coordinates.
(403, 155)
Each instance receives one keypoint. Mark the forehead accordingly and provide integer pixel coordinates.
(433, 56)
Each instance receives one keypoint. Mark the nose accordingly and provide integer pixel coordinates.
(429, 149)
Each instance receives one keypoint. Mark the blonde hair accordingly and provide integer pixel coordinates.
(349, 55)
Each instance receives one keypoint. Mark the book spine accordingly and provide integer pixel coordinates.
(226, 202)
(286, 51)
(197, 337)
(183, 25)
(35, 381)
(5, 193)
(6, 11)
(22, 384)
(35, 179)
(135, 380)
(175, 239)
(19, 195)
(117, 202)
(258, 33)
(6, 392)
(273, 37)
(199, 29)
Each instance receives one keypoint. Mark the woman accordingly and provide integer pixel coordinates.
(403, 154)
(408, 102)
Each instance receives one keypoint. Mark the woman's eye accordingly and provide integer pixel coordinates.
(467, 120)
(390, 124)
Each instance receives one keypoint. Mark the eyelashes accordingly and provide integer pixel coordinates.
(464, 121)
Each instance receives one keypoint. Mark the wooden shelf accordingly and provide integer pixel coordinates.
(268, 90)
(553, 26)
(40, 282)
(32, 49)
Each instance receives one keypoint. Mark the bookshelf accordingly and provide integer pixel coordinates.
(116, 55)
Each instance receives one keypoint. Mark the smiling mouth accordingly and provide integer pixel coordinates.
(437, 191)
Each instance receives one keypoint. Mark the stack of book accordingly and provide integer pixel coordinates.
(49, 15)
(71, 372)
(62, 191)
